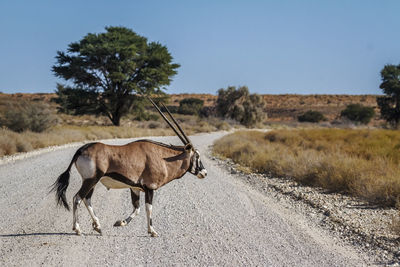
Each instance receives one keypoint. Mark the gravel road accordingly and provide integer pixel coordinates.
(215, 221)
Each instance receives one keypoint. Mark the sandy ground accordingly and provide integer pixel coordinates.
(215, 221)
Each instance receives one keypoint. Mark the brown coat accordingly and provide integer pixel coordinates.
(143, 162)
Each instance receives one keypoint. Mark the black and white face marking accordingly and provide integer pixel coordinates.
(197, 166)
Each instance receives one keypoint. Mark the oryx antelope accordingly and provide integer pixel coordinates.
(142, 165)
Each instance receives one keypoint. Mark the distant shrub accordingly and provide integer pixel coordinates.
(206, 112)
(172, 109)
(26, 115)
(154, 125)
(223, 126)
(190, 106)
(311, 116)
(240, 105)
(358, 113)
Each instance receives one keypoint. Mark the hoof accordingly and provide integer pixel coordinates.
(120, 223)
(98, 230)
(153, 234)
(77, 231)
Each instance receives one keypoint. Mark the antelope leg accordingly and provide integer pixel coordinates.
(135, 197)
(87, 185)
(88, 203)
(149, 208)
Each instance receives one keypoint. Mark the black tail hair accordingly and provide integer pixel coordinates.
(60, 186)
(62, 182)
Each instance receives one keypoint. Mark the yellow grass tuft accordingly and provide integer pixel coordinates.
(363, 163)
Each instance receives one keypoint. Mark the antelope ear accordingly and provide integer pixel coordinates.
(188, 147)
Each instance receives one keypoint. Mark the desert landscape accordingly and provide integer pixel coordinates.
(200, 133)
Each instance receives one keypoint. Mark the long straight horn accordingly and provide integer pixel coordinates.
(179, 127)
(169, 123)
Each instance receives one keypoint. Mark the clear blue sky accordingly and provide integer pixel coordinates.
(273, 47)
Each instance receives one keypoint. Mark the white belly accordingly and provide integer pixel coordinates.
(114, 184)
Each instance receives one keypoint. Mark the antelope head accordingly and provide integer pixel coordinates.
(196, 166)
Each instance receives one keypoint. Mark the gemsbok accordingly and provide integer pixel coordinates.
(142, 165)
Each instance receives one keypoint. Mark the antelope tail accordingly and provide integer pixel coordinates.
(62, 182)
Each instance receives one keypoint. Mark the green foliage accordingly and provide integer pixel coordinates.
(190, 106)
(390, 104)
(311, 116)
(358, 113)
(240, 105)
(76, 101)
(206, 112)
(109, 69)
(25, 115)
(172, 109)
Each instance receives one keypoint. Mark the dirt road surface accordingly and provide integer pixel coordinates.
(217, 221)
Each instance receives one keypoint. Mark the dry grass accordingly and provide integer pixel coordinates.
(12, 142)
(89, 128)
(363, 163)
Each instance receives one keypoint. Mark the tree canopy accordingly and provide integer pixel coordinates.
(109, 70)
(390, 104)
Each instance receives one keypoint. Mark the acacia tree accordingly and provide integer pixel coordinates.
(109, 70)
(390, 104)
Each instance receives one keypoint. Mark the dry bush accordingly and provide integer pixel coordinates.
(363, 163)
(194, 124)
(240, 105)
(311, 116)
(28, 115)
(190, 106)
(154, 125)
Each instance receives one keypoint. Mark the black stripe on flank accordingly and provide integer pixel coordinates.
(120, 178)
(178, 148)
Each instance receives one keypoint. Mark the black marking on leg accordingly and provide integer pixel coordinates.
(148, 194)
(135, 199)
(89, 195)
(87, 186)
(151, 222)
(121, 178)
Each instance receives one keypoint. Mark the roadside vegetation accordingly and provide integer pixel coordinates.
(12, 142)
(28, 124)
(28, 115)
(362, 163)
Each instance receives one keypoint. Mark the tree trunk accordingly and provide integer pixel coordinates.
(116, 120)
